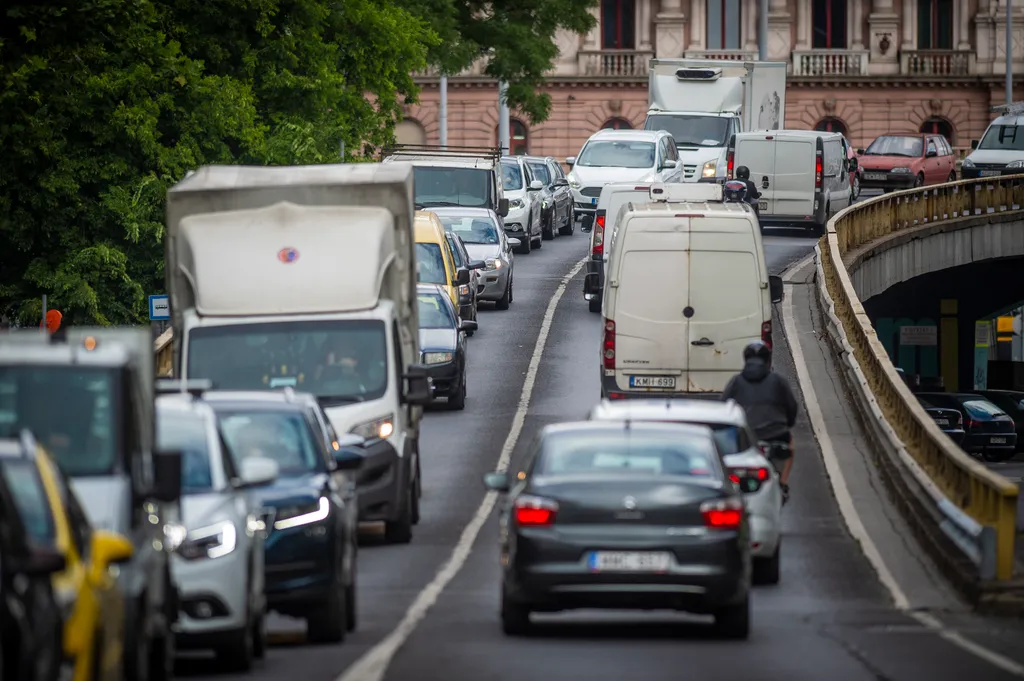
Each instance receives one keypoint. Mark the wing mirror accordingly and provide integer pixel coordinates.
(535, 186)
(255, 471)
(514, 242)
(349, 452)
(41, 561)
(468, 325)
(561, 182)
(974, 144)
(477, 264)
(497, 482)
(418, 388)
(931, 153)
(461, 276)
(776, 288)
(503, 207)
(108, 548)
(860, 152)
(167, 476)
(570, 161)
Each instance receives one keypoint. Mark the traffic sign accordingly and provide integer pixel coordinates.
(159, 308)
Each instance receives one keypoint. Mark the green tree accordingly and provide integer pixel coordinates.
(517, 35)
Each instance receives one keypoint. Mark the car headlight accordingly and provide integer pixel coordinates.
(377, 429)
(710, 168)
(900, 170)
(1016, 164)
(515, 203)
(212, 541)
(967, 163)
(437, 357)
(493, 264)
(297, 516)
(544, 204)
(573, 182)
(174, 535)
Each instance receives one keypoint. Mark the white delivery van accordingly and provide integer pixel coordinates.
(1001, 149)
(803, 175)
(613, 198)
(687, 289)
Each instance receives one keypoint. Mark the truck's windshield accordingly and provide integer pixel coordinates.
(692, 130)
(71, 410)
(447, 186)
(1003, 138)
(339, 361)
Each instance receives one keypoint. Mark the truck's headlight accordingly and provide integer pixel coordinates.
(296, 516)
(437, 357)
(967, 163)
(515, 203)
(212, 541)
(377, 429)
(493, 264)
(573, 182)
(710, 169)
(1016, 164)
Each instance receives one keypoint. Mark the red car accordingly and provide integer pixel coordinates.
(907, 159)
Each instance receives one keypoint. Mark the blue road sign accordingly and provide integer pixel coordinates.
(159, 308)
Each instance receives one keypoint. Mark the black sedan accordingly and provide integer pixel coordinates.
(443, 344)
(624, 515)
(990, 431)
(1012, 402)
(950, 421)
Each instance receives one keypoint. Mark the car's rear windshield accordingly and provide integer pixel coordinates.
(628, 453)
(982, 408)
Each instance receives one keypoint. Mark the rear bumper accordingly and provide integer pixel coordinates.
(610, 390)
(983, 442)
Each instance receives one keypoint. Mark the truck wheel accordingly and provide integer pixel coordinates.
(400, 531)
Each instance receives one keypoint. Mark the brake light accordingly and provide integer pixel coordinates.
(531, 511)
(598, 236)
(723, 514)
(971, 423)
(616, 396)
(749, 480)
(608, 351)
(766, 334)
(730, 161)
(818, 170)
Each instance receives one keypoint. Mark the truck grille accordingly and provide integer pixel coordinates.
(592, 192)
(989, 166)
(689, 171)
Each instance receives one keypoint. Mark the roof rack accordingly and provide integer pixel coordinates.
(1014, 109)
(493, 153)
(194, 387)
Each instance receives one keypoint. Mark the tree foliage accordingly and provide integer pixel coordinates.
(104, 104)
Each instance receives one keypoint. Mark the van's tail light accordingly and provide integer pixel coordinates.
(819, 169)
(766, 334)
(608, 348)
(531, 511)
(598, 236)
(723, 514)
(730, 162)
(749, 480)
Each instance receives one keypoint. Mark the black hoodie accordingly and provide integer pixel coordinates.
(766, 397)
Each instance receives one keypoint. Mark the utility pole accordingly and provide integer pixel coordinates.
(1009, 51)
(503, 133)
(762, 31)
(443, 113)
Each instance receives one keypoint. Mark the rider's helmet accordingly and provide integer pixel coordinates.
(743, 173)
(735, 190)
(757, 349)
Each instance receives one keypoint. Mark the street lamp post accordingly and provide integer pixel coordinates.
(503, 132)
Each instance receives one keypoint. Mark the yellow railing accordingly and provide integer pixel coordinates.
(987, 497)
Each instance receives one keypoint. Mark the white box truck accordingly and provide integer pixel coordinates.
(704, 102)
(305, 277)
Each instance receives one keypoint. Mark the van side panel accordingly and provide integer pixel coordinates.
(794, 178)
(758, 155)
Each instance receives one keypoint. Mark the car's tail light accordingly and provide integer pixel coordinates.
(818, 169)
(749, 480)
(730, 161)
(971, 423)
(766, 334)
(723, 514)
(608, 349)
(959, 420)
(531, 511)
(598, 235)
(616, 396)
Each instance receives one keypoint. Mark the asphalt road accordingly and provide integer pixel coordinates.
(828, 619)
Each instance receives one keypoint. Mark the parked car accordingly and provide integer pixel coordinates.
(951, 421)
(903, 160)
(481, 232)
(991, 433)
(469, 294)
(556, 205)
(443, 344)
(1012, 402)
(525, 205)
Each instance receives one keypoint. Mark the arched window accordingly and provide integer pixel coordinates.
(828, 19)
(831, 124)
(723, 27)
(410, 131)
(937, 125)
(935, 24)
(617, 124)
(618, 24)
(519, 138)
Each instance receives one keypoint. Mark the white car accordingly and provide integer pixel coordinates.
(525, 210)
(620, 156)
(218, 560)
(748, 467)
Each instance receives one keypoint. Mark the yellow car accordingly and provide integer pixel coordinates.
(86, 589)
(435, 262)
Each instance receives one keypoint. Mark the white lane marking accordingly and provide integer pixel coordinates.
(849, 510)
(374, 663)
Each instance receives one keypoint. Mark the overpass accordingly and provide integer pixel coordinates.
(941, 250)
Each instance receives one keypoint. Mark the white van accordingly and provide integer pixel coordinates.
(803, 175)
(613, 198)
(687, 289)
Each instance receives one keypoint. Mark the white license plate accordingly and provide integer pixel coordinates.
(874, 176)
(941, 422)
(628, 561)
(652, 381)
(762, 205)
(997, 441)
(989, 173)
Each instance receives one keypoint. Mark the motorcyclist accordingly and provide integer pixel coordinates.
(768, 400)
(743, 175)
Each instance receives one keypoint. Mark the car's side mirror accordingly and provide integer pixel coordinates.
(477, 264)
(974, 144)
(503, 207)
(461, 276)
(776, 288)
(570, 161)
(931, 153)
(468, 325)
(167, 476)
(860, 152)
(41, 561)
(108, 548)
(497, 482)
(514, 242)
(535, 186)
(561, 182)
(418, 388)
(255, 471)
(350, 457)
(853, 163)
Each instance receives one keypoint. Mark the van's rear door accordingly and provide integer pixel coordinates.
(725, 296)
(651, 268)
(793, 184)
(757, 153)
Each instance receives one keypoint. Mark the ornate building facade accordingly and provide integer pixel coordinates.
(861, 67)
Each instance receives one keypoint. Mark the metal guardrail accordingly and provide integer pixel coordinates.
(984, 497)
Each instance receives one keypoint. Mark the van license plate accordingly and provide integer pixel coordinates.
(874, 176)
(989, 173)
(997, 441)
(652, 381)
(762, 205)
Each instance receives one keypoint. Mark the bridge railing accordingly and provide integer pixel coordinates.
(989, 499)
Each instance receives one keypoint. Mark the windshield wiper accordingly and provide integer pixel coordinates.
(439, 204)
(338, 400)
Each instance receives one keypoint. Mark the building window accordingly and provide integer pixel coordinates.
(518, 138)
(935, 24)
(936, 125)
(618, 24)
(829, 21)
(617, 124)
(723, 24)
(831, 124)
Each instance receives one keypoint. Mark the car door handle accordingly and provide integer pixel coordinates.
(703, 342)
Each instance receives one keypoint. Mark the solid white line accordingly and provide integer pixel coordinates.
(374, 663)
(849, 510)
